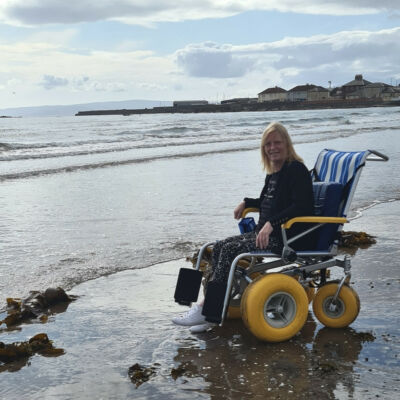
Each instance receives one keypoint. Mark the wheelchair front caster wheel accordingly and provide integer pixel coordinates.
(340, 313)
(274, 307)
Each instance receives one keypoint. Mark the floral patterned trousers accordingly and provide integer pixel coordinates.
(225, 251)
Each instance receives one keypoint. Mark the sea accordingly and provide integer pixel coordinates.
(86, 197)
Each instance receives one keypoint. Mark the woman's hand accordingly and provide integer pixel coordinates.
(262, 238)
(237, 213)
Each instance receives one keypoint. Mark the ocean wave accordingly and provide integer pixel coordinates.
(73, 168)
(19, 152)
(246, 123)
(358, 212)
(86, 152)
(174, 129)
(312, 119)
(4, 146)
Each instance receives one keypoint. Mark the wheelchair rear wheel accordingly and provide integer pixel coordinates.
(340, 314)
(234, 310)
(240, 285)
(274, 307)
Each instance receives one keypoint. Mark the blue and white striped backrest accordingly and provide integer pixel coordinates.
(340, 167)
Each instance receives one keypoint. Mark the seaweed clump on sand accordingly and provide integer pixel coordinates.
(38, 344)
(352, 239)
(36, 305)
(140, 374)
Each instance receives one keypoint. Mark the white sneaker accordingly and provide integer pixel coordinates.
(201, 328)
(191, 317)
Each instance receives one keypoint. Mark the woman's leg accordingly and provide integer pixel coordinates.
(230, 248)
(221, 243)
(217, 286)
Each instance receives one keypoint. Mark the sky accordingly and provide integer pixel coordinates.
(57, 52)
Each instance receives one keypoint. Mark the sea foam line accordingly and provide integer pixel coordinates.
(73, 168)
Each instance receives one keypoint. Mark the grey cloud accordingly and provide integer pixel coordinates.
(213, 61)
(373, 48)
(321, 56)
(51, 82)
(81, 81)
(139, 11)
(38, 12)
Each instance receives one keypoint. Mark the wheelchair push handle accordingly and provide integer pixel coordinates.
(379, 156)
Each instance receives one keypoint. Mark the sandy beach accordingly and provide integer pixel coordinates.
(124, 319)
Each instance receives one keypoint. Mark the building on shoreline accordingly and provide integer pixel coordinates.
(307, 92)
(272, 94)
(356, 93)
(358, 88)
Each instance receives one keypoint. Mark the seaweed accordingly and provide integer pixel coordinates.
(140, 374)
(352, 239)
(16, 355)
(37, 305)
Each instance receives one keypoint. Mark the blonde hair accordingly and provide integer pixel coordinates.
(283, 133)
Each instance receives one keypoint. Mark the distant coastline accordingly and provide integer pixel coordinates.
(241, 107)
(357, 93)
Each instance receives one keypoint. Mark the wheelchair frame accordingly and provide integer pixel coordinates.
(308, 267)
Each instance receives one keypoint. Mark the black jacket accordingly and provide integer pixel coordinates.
(293, 198)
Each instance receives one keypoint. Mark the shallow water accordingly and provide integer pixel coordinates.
(86, 197)
(124, 319)
(90, 221)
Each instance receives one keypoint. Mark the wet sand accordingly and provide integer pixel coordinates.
(124, 319)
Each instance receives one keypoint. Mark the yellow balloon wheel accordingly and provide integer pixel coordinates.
(234, 305)
(340, 314)
(234, 312)
(274, 307)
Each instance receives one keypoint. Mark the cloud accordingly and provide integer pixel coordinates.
(50, 82)
(152, 86)
(377, 53)
(203, 70)
(106, 86)
(81, 83)
(214, 61)
(56, 38)
(37, 12)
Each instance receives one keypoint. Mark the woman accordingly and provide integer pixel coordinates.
(287, 193)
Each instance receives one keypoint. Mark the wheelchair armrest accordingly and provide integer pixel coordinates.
(249, 210)
(314, 220)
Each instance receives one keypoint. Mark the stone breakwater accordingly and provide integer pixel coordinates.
(238, 107)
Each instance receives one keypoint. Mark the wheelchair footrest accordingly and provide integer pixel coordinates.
(188, 286)
(214, 301)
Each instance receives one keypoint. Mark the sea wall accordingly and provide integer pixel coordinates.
(237, 107)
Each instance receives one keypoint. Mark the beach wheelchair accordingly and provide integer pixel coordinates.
(272, 292)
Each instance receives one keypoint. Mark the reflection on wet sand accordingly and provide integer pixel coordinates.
(235, 365)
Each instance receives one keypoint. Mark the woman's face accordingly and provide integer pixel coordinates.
(275, 148)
